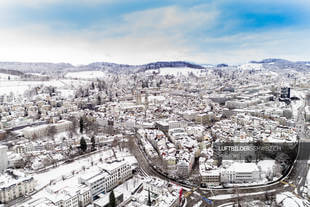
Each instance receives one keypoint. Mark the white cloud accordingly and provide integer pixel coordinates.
(39, 44)
(170, 18)
(151, 35)
(144, 38)
(281, 43)
(40, 3)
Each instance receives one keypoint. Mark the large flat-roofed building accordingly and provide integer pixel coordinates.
(106, 176)
(240, 173)
(210, 178)
(104, 201)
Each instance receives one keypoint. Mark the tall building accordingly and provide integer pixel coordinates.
(285, 92)
(4, 158)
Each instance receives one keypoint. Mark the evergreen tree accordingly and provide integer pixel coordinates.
(81, 125)
(99, 100)
(39, 114)
(112, 199)
(93, 142)
(83, 144)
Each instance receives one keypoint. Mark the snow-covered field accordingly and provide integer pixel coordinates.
(288, 199)
(4, 76)
(251, 66)
(181, 71)
(19, 87)
(87, 75)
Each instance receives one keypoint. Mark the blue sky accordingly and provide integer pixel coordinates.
(134, 32)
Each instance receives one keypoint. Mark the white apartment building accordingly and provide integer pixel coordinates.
(35, 132)
(154, 185)
(62, 125)
(69, 196)
(44, 202)
(240, 173)
(106, 176)
(171, 163)
(185, 164)
(14, 184)
(3, 158)
(42, 130)
(210, 178)
(177, 124)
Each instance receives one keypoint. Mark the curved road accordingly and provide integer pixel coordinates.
(297, 173)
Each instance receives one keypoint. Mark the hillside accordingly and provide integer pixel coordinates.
(102, 66)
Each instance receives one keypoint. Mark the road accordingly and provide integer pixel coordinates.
(196, 197)
(301, 167)
(298, 171)
(149, 171)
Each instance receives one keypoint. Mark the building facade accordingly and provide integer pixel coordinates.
(3, 158)
(106, 177)
(14, 185)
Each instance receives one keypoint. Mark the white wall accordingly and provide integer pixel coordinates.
(3, 158)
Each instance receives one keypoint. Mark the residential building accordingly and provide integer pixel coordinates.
(106, 176)
(14, 184)
(240, 173)
(210, 178)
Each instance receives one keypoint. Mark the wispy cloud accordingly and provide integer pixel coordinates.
(133, 31)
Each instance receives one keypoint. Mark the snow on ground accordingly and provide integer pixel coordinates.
(307, 183)
(86, 75)
(152, 71)
(228, 196)
(198, 204)
(288, 199)
(298, 93)
(298, 103)
(67, 93)
(37, 74)
(19, 87)
(16, 87)
(181, 71)
(4, 76)
(266, 165)
(251, 66)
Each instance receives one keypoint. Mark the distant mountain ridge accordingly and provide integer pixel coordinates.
(280, 64)
(111, 67)
(273, 64)
(11, 72)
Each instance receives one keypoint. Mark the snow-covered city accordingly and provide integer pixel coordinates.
(144, 103)
(151, 137)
